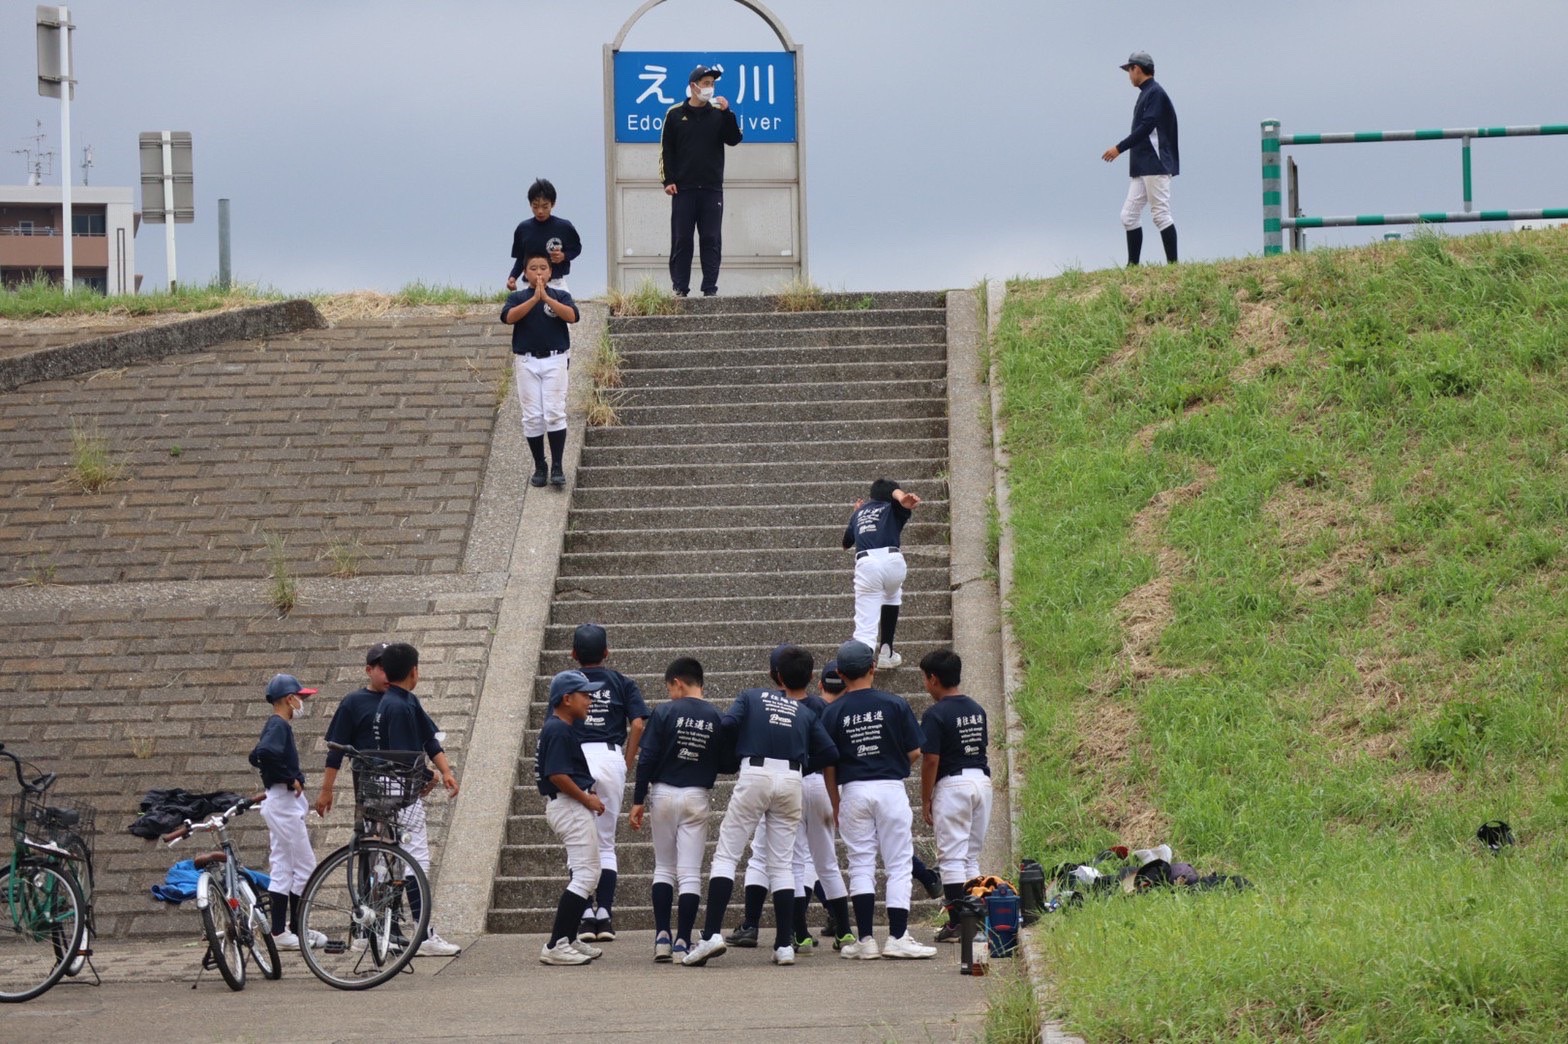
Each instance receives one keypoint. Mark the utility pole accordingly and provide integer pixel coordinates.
(57, 79)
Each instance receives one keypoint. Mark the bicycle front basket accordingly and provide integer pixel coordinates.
(389, 782)
(71, 825)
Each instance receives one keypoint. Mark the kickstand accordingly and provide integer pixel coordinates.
(87, 962)
(207, 961)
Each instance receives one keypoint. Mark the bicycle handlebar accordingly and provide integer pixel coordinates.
(216, 821)
(37, 786)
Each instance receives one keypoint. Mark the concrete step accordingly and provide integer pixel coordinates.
(760, 516)
(634, 921)
(829, 599)
(722, 685)
(768, 304)
(672, 488)
(801, 374)
(776, 411)
(837, 430)
(641, 661)
(769, 320)
(870, 454)
(675, 586)
(819, 394)
(814, 634)
(745, 347)
(770, 474)
(827, 561)
(916, 534)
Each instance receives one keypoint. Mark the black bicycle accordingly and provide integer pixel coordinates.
(236, 922)
(46, 924)
(358, 896)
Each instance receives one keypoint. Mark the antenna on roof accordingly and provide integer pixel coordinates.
(40, 161)
(87, 162)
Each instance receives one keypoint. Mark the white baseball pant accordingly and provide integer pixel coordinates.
(769, 794)
(800, 856)
(1153, 190)
(678, 817)
(816, 831)
(574, 825)
(290, 859)
(960, 813)
(879, 581)
(874, 817)
(414, 834)
(609, 778)
(541, 391)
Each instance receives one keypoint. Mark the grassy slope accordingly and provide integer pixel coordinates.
(1291, 584)
(41, 299)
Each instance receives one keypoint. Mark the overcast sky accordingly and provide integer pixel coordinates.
(372, 144)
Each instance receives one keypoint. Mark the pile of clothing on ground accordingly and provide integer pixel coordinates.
(1131, 871)
(164, 810)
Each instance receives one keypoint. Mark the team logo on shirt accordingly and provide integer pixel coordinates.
(552, 245)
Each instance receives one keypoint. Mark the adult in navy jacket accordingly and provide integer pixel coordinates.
(1154, 160)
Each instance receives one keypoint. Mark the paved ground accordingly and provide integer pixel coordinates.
(498, 990)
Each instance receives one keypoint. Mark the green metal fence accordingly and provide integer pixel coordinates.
(1275, 220)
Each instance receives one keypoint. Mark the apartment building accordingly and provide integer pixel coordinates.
(103, 236)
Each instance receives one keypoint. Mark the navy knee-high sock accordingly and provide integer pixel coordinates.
(839, 908)
(294, 914)
(686, 915)
(951, 893)
(756, 898)
(568, 912)
(1168, 237)
(605, 893)
(802, 908)
(719, 891)
(897, 922)
(1134, 245)
(663, 899)
(416, 901)
(280, 911)
(783, 917)
(889, 624)
(865, 910)
(536, 447)
(557, 447)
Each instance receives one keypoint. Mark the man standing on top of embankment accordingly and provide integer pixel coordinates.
(1154, 160)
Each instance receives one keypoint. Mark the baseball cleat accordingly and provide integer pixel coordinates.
(744, 937)
(906, 948)
(888, 659)
(540, 476)
(712, 946)
(663, 952)
(948, 933)
(583, 948)
(435, 946)
(606, 930)
(561, 953)
(784, 955)
(679, 949)
(806, 945)
(864, 950)
(557, 476)
(588, 929)
(843, 940)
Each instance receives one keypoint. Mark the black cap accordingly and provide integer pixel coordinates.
(373, 654)
(703, 70)
(855, 660)
(590, 643)
(832, 681)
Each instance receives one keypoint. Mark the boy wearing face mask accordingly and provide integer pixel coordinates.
(290, 858)
(691, 165)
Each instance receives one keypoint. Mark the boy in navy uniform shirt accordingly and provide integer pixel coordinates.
(776, 737)
(544, 233)
(538, 316)
(955, 776)
(353, 723)
(878, 740)
(610, 735)
(561, 773)
(290, 858)
(677, 763)
(402, 724)
(874, 531)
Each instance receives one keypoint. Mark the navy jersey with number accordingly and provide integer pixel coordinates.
(402, 724)
(874, 732)
(560, 753)
(955, 729)
(680, 747)
(616, 702)
(875, 524)
(769, 724)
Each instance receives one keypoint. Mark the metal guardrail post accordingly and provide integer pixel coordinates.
(1273, 236)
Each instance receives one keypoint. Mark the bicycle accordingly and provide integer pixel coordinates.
(46, 925)
(356, 896)
(236, 923)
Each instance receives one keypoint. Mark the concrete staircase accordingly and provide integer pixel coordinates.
(708, 523)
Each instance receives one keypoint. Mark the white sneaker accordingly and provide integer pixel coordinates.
(317, 939)
(864, 950)
(287, 940)
(581, 947)
(435, 946)
(888, 659)
(712, 946)
(784, 955)
(562, 953)
(905, 947)
(662, 950)
(359, 944)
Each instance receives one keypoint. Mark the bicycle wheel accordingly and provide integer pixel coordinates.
(223, 933)
(41, 926)
(256, 933)
(354, 898)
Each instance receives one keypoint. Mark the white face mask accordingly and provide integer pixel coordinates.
(303, 710)
(705, 93)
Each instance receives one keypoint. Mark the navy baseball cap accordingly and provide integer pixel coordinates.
(776, 654)
(832, 681)
(283, 685)
(373, 654)
(569, 681)
(703, 70)
(1139, 58)
(590, 642)
(854, 660)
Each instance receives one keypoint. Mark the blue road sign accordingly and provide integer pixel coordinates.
(760, 87)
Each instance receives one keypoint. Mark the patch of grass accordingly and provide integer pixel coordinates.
(605, 365)
(419, 293)
(646, 299)
(799, 296)
(1012, 1015)
(602, 408)
(848, 302)
(40, 298)
(92, 466)
(1354, 555)
(38, 573)
(345, 556)
(282, 590)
